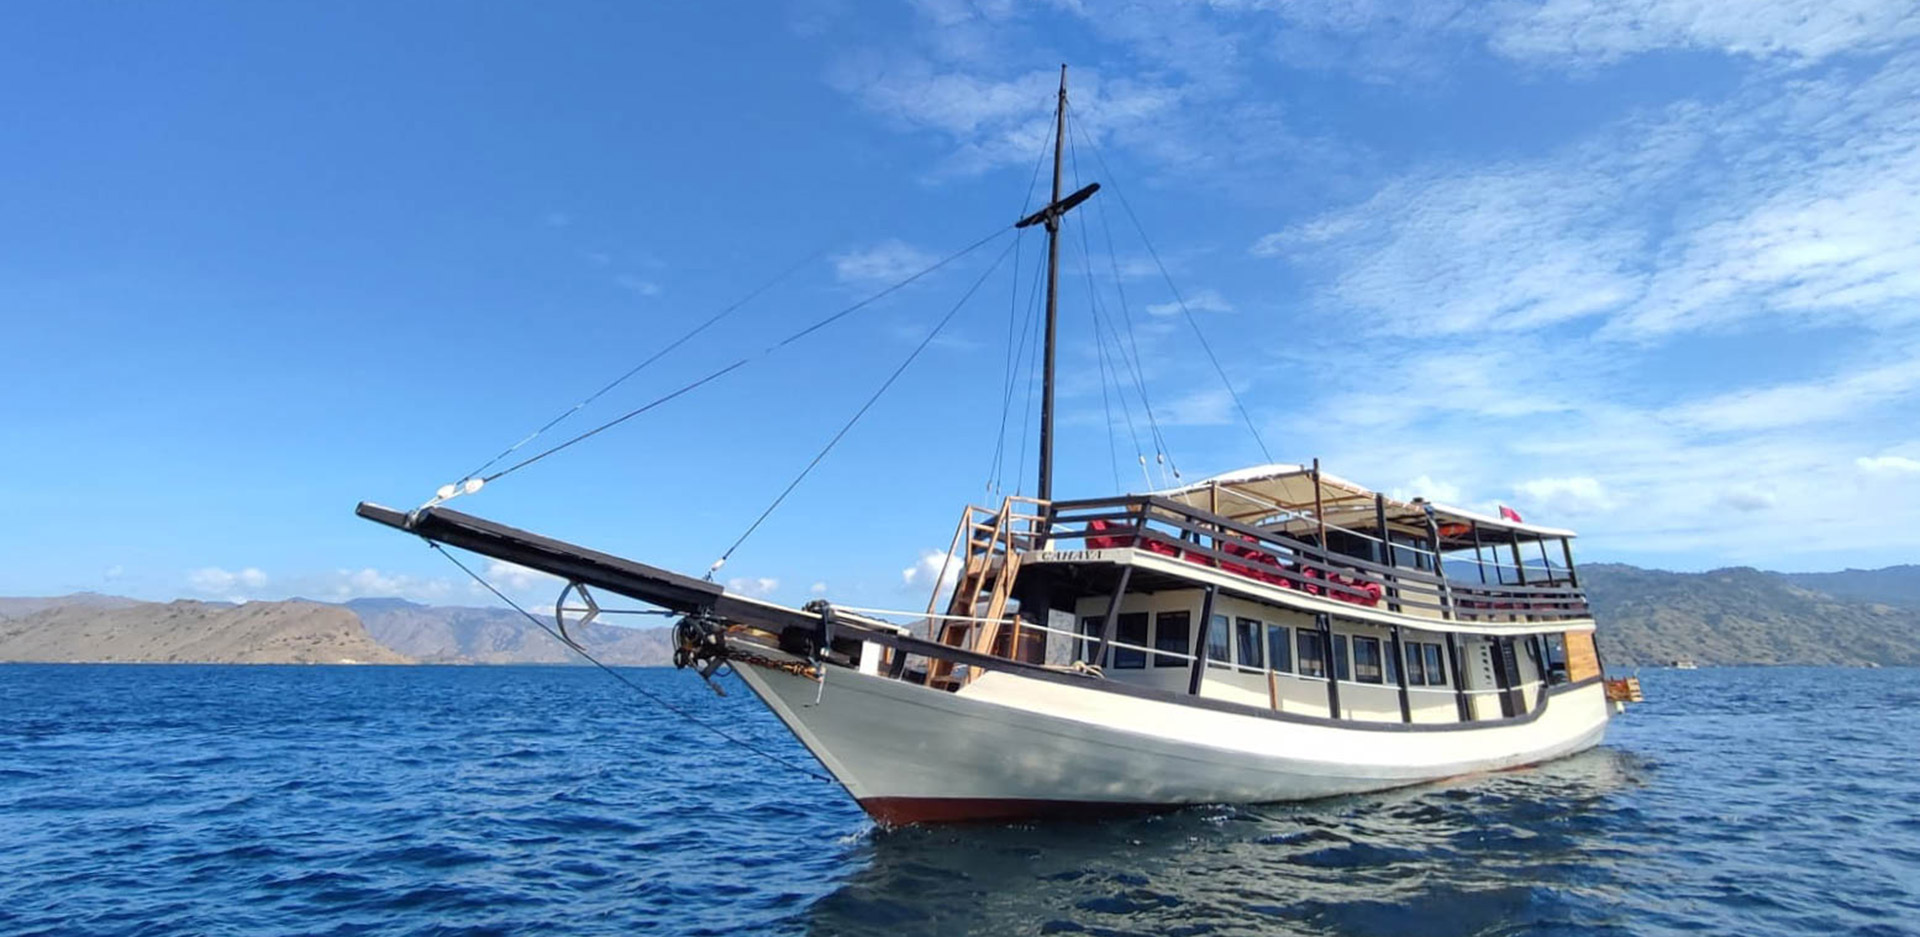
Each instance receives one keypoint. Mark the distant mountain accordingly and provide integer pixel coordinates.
(1741, 616)
(27, 605)
(1647, 617)
(1894, 585)
(192, 632)
(456, 635)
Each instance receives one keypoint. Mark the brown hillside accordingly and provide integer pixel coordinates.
(292, 632)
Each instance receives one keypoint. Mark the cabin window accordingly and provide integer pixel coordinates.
(1279, 651)
(1411, 553)
(1340, 671)
(1219, 643)
(1436, 665)
(1392, 662)
(1132, 630)
(1172, 631)
(1366, 660)
(1246, 633)
(1416, 666)
(1313, 657)
(1555, 646)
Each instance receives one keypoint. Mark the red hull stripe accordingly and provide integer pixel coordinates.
(906, 811)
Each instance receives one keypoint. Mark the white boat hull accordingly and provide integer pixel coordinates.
(1011, 746)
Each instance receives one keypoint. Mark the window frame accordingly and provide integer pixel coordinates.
(1160, 657)
(1116, 652)
(1310, 638)
(1436, 655)
(1220, 626)
(1285, 662)
(1378, 663)
(1243, 630)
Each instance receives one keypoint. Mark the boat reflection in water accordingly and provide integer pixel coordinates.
(1500, 853)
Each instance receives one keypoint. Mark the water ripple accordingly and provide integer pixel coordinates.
(417, 801)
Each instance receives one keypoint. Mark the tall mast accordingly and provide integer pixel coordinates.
(1045, 489)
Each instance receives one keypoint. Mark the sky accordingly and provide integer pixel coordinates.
(1649, 269)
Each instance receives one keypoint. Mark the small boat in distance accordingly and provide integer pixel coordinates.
(1684, 664)
(1272, 633)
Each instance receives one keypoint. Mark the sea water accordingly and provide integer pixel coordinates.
(520, 800)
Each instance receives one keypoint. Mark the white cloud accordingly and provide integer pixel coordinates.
(370, 583)
(1888, 465)
(1426, 487)
(1650, 227)
(1571, 496)
(1207, 300)
(1747, 498)
(886, 262)
(1851, 392)
(1200, 408)
(1505, 247)
(1590, 32)
(818, 588)
(637, 285)
(933, 565)
(113, 572)
(234, 585)
(512, 577)
(758, 587)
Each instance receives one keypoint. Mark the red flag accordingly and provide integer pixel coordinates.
(1509, 514)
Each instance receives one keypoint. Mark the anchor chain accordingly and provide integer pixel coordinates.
(700, 643)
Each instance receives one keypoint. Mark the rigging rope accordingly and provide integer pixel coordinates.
(656, 356)
(829, 320)
(997, 473)
(928, 340)
(998, 466)
(1101, 330)
(1026, 420)
(1184, 311)
(617, 675)
(1162, 451)
(1100, 356)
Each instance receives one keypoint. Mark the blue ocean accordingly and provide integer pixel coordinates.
(148, 800)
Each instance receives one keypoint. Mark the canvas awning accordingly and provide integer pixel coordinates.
(1282, 496)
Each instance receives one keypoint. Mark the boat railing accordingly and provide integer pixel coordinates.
(1180, 531)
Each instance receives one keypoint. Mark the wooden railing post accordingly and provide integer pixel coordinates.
(1387, 558)
(1323, 623)
(1459, 678)
(1400, 673)
(1199, 664)
(1439, 565)
(1113, 618)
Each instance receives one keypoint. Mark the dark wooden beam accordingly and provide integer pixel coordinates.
(1459, 677)
(1113, 618)
(1323, 623)
(1197, 670)
(1400, 673)
(1386, 550)
(649, 584)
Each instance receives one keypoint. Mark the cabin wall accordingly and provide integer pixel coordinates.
(1280, 684)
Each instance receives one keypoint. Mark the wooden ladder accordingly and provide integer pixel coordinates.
(994, 542)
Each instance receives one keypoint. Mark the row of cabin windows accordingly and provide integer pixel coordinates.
(1253, 643)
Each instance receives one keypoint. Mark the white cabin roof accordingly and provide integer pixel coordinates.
(1281, 488)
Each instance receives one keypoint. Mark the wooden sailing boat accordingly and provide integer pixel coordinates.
(1268, 634)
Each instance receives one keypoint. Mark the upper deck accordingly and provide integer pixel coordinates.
(1295, 536)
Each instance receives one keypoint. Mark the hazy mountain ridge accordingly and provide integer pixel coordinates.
(1647, 617)
(129, 631)
(1893, 585)
(1742, 616)
(463, 635)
